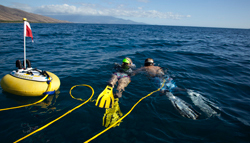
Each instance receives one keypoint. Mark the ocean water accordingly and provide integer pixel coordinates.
(212, 63)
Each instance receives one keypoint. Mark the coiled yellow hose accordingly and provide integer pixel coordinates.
(43, 127)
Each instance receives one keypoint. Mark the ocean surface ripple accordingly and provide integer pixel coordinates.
(212, 63)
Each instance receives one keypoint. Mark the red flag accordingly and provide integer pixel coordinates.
(27, 30)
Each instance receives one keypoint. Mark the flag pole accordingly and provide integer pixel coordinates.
(24, 43)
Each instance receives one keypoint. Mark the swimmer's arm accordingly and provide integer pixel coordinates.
(160, 72)
(138, 71)
(117, 65)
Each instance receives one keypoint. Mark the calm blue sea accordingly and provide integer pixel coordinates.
(213, 63)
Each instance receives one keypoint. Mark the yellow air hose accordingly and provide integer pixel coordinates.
(125, 114)
(43, 127)
(48, 89)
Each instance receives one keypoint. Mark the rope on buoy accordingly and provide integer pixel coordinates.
(48, 89)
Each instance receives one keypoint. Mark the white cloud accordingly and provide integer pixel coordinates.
(119, 11)
(24, 7)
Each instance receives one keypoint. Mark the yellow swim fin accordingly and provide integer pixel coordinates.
(106, 98)
(112, 115)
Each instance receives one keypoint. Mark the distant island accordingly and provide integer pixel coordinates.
(93, 19)
(12, 15)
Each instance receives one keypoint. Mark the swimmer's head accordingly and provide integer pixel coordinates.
(149, 62)
(127, 63)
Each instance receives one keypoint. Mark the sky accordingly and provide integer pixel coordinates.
(202, 13)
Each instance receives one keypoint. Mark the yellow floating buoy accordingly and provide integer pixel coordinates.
(30, 82)
(27, 81)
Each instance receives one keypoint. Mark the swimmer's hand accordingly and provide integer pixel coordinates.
(116, 64)
(133, 65)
